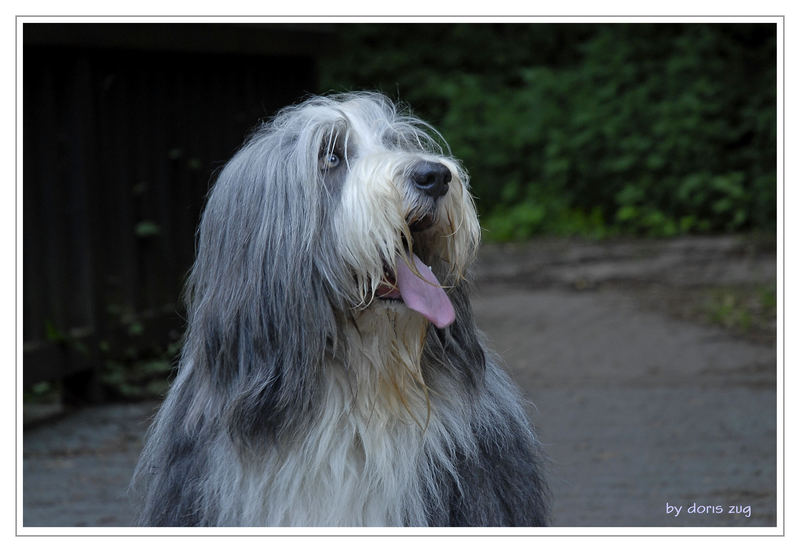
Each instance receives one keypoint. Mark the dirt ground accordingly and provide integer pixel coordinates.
(642, 403)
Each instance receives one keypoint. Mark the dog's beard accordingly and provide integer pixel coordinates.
(404, 248)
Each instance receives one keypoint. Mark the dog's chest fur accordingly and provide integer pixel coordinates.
(368, 460)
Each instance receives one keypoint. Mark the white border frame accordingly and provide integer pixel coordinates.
(548, 531)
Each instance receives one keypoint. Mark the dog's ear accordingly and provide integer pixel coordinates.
(253, 289)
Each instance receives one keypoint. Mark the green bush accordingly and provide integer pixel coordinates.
(589, 129)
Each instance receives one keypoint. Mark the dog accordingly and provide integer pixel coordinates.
(331, 372)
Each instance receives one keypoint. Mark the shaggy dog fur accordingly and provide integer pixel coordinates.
(332, 373)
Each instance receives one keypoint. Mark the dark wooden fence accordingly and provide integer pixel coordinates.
(123, 129)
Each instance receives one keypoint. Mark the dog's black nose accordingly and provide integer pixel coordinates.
(431, 178)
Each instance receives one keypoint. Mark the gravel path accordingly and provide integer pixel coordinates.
(637, 407)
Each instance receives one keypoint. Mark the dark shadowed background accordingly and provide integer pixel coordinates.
(626, 179)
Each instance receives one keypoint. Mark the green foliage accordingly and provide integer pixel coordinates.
(135, 371)
(46, 392)
(146, 229)
(742, 308)
(137, 379)
(589, 129)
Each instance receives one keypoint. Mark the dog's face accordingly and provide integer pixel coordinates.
(337, 208)
(404, 217)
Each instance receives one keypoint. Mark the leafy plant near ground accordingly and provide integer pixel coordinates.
(125, 370)
(742, 309)
(136, 378)
(136, 372)
(47, 392)
(593, 130)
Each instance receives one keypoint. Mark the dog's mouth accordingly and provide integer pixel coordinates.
(421, 224)
(416, 286)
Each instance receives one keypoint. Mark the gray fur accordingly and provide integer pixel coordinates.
(277, 302)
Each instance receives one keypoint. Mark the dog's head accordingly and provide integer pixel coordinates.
(349, 198)
(338, 208)
(341, 216)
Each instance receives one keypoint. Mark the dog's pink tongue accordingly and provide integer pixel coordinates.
(424, 295)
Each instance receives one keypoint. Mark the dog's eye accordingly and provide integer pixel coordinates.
(330, 161)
